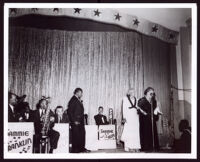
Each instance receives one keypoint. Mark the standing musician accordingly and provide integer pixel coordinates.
(76, 117)
(43, 122)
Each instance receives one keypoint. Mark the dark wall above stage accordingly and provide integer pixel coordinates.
(63, 23)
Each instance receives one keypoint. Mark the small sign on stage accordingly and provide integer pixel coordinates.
(107, 138)
(107, 132)
(20, 137)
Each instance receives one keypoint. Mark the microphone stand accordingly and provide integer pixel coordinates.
(172, 113)
(152, 125)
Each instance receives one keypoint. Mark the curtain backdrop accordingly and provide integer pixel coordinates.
(53, 63)
(104, 64)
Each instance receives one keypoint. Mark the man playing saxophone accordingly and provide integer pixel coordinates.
(43, 122)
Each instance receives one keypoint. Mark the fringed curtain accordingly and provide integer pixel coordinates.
(104, 64)
(156, 62)
(53, 63)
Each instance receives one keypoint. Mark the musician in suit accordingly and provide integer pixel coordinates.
(25, 112)
(100, 119)
(13, 116)
(76, 117)
(61, 115)
(39, 116)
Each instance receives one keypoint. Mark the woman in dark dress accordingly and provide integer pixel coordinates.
(148, 134)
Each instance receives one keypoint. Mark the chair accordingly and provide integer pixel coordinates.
(44, 144)
(41, 144)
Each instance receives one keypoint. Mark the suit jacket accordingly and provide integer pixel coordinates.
(12, 116)
(37, 121)
(75, 110)
(99, 121)
(64, 119)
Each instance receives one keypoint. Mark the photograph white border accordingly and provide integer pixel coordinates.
(193, 154)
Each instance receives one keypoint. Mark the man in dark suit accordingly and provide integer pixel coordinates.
(13, 116)
(38, 118)
(183, 144)
(76, 116)
(60, 115)
(25, 112)
(100, 119)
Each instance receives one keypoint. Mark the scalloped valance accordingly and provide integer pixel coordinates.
(105, 15)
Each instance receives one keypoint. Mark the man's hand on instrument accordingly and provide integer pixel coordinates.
(52, 119)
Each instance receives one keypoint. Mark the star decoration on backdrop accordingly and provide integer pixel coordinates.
(97, 13)
(77, 10)
(155, 29)
(117, 17)
(136, 22)
(13, 10)
(34, 9)
(56, 10)
(171, 36)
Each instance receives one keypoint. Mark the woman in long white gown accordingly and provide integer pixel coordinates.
(131, 133)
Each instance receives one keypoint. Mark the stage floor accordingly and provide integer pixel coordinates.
(121, 150)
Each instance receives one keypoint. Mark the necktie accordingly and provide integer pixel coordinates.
(42, 113)
(102, 119)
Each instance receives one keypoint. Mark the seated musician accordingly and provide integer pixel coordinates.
(61, 115)
(12, 112)
(100, 119)
(39, 119)
(25, 112)
(15, 107)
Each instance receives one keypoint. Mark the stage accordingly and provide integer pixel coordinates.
(121, 150)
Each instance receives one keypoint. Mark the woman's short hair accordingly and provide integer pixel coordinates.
(131, 89)
(77, 90)
(147, 90)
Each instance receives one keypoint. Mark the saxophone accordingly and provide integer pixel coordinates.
(46, 121)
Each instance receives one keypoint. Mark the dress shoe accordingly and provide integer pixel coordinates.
(51, 151)
(86, 151)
